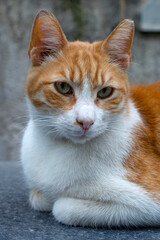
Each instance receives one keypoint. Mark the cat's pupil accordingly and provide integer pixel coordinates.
(63, 86)
(104, 90)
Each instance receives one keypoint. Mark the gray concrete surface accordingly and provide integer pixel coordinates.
(99, 19)
(19, 222)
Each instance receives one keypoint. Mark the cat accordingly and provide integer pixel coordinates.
(91, 149)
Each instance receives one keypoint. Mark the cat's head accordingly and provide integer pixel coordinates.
(77, 90)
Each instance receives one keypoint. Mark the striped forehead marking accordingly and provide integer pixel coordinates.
(80, 66)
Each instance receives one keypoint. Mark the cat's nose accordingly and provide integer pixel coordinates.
(85, 124)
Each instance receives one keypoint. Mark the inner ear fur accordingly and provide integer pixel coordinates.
(118, 44)
(47, 37)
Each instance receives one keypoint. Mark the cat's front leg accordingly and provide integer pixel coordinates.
(79, 212)
(39, 202)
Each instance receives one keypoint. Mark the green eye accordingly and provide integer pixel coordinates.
(63, 88)
(105, 92)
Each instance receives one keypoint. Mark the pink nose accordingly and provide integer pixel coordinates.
(84, 123)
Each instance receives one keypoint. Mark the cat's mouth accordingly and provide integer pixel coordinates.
(80, 139)
(83, 134)
(80, 136)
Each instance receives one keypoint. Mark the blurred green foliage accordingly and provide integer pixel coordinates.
(77, 12)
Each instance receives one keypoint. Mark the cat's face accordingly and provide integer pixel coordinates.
(76, 90)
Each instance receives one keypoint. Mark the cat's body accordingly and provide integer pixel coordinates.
(92, 156)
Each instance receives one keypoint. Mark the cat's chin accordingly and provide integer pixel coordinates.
(80, 140)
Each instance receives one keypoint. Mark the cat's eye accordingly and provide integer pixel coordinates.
(105, 92)
(64, 88)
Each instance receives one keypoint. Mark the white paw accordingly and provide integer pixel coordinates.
(68, 211)
(39, 202)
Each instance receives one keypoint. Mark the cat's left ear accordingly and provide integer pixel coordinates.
(47, 37)
(118, 44)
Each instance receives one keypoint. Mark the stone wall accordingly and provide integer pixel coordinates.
(84, 19)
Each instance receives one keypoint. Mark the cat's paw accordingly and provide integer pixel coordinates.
(68, 211)
(63, 211)
(39, 202)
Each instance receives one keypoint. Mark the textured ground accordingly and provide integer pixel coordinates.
(19, 222)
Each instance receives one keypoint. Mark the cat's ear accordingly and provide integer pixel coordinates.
(47, 37)
(118, 44)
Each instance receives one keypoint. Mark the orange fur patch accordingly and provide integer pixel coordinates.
(56, 59)
(143, 164)
(35, 193)
(77, 61)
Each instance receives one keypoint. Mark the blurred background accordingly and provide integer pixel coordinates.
(86, 20)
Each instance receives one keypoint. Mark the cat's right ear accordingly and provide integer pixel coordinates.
(47, 38)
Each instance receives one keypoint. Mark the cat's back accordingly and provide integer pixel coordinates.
(147, 100)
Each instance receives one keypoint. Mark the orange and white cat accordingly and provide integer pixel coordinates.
(91, 150)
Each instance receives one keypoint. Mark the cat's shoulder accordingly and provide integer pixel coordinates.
(144, 91)
(147, 98)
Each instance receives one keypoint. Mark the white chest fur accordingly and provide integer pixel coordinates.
(91, 172)
(61, 167)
